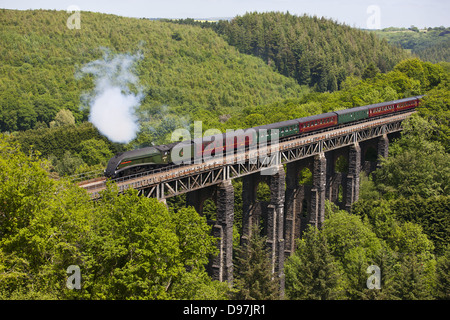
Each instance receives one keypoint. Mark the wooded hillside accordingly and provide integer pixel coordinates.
(430, 44)
(315, 51)
(183, 67)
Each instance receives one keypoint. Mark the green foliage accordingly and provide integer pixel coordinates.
(346, 234)
(143, 250)
(64, 117)
(442, 272)
(311, 272)
(263, 192)
(426, 73)
(417, 165)
(94, 151)
(429, 44)
(428, 216)
(58, 140)
(70, 149)
(315, 52)
(68, 165)
(436, 109)
(401, 249)
(370, 72)
(191, 71)
(127, 247)
(42, 225)
(253, 278)
(305, 177)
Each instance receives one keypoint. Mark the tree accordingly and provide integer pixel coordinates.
(412, 280)
(417, 165)
(42, 227)
(355, 246)
(68, 165)
(138, 250)
(127, 247)
(311, 272)
(442, 272)
(371, 71)
(64, 117)
(253, 270)
(95, 151)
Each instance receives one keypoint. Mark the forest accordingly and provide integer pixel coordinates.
(132, 247)
(316, 52)
(429, 44)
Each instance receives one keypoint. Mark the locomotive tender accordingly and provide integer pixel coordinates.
(145, 159)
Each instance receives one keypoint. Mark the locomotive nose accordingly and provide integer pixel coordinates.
(110, 170)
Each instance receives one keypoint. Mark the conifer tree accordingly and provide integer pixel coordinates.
(254, 279)
(311, 272)
(442, 272)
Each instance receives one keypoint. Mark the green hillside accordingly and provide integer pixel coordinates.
(315, 51)
(187, 69)
(431, 44)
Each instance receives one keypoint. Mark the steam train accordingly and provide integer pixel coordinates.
(145, 159)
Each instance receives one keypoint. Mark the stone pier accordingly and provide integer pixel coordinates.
(271, 213)
(354, 168)
(383, 147)
(317, 207)
(220, 266)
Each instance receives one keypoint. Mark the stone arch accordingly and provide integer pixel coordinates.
(299, 180)
(256, 196)
(262, 191)
(341, 164)
(370, 154)
(209, 209)
(198, 198)
(337, 168)
(220, 196)
(256, 209)
(305, 176)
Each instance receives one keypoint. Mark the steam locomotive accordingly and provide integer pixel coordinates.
(149, 158)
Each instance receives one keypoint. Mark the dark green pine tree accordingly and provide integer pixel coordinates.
(442, 272)
(411, 282)
(371, 71)
(254, 279)
(311, 272)
(304, 71)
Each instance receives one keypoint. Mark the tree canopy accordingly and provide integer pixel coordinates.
(126, 247)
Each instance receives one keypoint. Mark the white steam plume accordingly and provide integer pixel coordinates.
(112, 104)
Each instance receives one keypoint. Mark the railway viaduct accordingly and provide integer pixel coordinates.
(301, 173)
